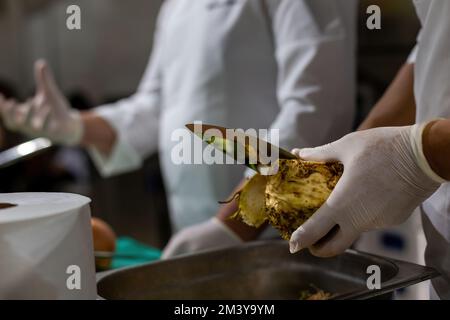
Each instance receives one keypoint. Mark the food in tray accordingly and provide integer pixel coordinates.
(288, 198)
(317, 294)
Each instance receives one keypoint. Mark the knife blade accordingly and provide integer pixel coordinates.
(244, 148)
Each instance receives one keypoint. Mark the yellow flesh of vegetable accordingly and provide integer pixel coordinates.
(252, 206)
(288, 198)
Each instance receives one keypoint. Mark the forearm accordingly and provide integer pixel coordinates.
(397, 106)
(97, 133)
(436, 147)
(245, 232)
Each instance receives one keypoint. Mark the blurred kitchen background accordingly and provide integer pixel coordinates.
(105, 60)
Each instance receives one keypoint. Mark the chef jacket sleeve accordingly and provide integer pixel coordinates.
(135, 120)
(315, 53)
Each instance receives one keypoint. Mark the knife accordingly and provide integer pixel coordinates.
(244, 148)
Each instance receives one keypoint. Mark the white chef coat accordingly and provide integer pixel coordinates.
(285, 64)
(432, 92)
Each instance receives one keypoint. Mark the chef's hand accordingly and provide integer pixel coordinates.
(386, 176)
(47, 114)
(207, 235)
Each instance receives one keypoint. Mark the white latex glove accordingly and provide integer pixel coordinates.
(386, 176)
(48, 114)
(207, 235)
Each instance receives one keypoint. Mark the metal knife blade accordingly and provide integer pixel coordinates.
(245, 149)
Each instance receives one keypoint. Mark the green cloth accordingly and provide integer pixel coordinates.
(130, 252)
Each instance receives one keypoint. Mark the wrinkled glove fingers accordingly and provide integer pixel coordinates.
(326, 152)
(28, 117)
(22, 115)
(45, 83)
(336, 243)
(312, 230)
(40, 117)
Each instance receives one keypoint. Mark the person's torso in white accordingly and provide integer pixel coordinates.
(432, 88)
(432, 93)
(218, 67)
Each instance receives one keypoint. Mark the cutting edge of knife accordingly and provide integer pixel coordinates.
(262, 168)
(282, 154)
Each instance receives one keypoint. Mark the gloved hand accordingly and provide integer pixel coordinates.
(207, 235)
(386, 176)
(48, 114)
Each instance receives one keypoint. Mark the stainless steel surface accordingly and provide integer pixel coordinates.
(265, 153)
(23, 151)
(260, 270)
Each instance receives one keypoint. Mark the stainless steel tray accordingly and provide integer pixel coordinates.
(258, 270)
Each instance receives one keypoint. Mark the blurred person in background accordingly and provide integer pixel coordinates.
(286, 64)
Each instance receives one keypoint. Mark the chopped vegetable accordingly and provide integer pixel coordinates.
(318, 294)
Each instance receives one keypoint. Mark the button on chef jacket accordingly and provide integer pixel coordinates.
(284, 64)
(432, 93)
